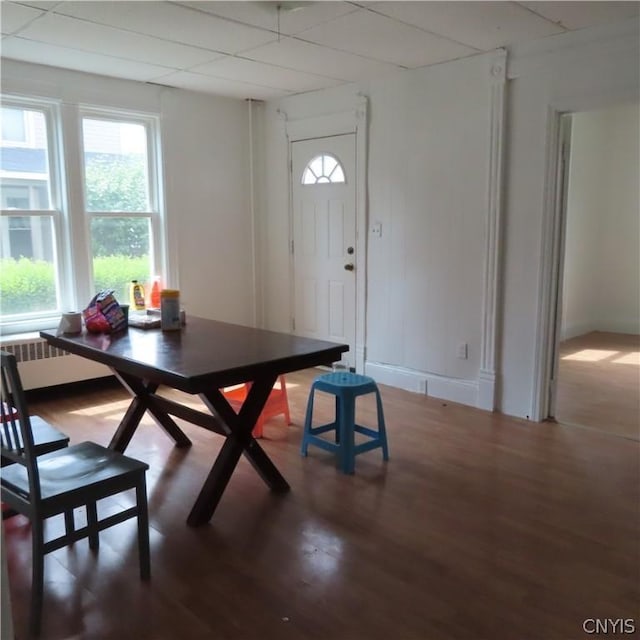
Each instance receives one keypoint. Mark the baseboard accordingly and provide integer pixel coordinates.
(453, 389)
(627, 327)
(50, 372)
(71, 388)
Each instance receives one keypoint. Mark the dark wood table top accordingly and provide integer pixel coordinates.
(203, 354)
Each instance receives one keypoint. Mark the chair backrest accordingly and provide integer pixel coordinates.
(16, 437)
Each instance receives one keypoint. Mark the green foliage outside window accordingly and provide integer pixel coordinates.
(116, 272)
(120, 245)
(117, 183)
(28, 286)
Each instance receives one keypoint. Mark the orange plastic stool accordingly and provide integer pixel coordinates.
(277, 403)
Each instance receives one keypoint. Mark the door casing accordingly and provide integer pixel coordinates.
(352, 121)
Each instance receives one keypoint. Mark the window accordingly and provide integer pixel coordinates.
(118, 201)
(114, 218)
(13, 125)
(323, 169)
(28, 270)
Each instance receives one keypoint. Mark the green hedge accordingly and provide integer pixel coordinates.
(28, 286)
(116, 272)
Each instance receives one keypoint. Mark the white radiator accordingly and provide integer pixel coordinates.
(42, 365)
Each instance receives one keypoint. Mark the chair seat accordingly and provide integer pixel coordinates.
(345, 381)
(46, 437)
(80, 468)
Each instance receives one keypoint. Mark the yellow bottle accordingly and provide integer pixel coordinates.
(136, 296)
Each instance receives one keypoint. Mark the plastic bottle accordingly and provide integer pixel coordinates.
(136, 295)
(154, 298)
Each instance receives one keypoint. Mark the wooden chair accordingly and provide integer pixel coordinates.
(45, 438)
(40, 487)
(277, 403)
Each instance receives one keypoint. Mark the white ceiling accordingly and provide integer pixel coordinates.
(263, 50)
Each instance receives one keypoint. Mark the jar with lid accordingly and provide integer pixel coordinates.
(170, 310)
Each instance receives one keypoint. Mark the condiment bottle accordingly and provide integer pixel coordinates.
(136, 294)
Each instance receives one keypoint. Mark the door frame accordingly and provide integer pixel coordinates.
(552, 264)
(345, 122)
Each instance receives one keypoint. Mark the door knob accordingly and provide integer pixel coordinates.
(349, 267)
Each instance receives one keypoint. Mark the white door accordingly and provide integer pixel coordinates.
(324, 239)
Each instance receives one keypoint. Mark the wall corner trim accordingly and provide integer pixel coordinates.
(494, 221)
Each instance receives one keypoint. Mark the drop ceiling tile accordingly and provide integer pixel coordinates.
(256, 14)
(48, 54)
(258, 72)
(578, 15)
(312, 58)
(366, 33)
(45, 6)
(14, 17)
(293, 16)
(481, 25)
(84, 36)
(218, 86)
(170, 22)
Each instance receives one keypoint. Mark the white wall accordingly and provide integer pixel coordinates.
(427, 185)
(601, 290)
(206, 173)
(206, 143)
(427, 166)
(580, 71)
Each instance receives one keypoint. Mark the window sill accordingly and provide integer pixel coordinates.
(19, 338)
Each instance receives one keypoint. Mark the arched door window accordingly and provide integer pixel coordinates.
(323, 169)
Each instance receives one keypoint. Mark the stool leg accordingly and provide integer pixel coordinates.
(337, 420)
(347, 456)
(307, 422)
(382, 431)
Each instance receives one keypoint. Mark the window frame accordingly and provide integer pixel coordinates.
(327, 177)
(155, 214)
(73, 264)
(51, 111)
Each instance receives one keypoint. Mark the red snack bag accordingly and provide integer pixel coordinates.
(104, 314)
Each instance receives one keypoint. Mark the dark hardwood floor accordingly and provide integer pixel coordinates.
(480, 527)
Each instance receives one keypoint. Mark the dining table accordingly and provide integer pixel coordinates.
(201, 358)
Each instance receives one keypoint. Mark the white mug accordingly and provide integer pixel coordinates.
(71, 322)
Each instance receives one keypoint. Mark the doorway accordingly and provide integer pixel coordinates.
(324, 239)
(596, 347)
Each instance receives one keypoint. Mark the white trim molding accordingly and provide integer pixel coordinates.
(488, 375)
(355, 121)
(442, 387)
(547, 278)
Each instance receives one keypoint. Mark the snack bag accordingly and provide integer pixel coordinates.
(104, 314)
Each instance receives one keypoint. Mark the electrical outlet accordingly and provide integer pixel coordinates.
(463, 351)
(376, 230)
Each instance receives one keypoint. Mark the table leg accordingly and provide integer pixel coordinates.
(141, 391)
(128, 426)
(239, 441)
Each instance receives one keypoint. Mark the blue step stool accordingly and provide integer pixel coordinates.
(346, 387)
